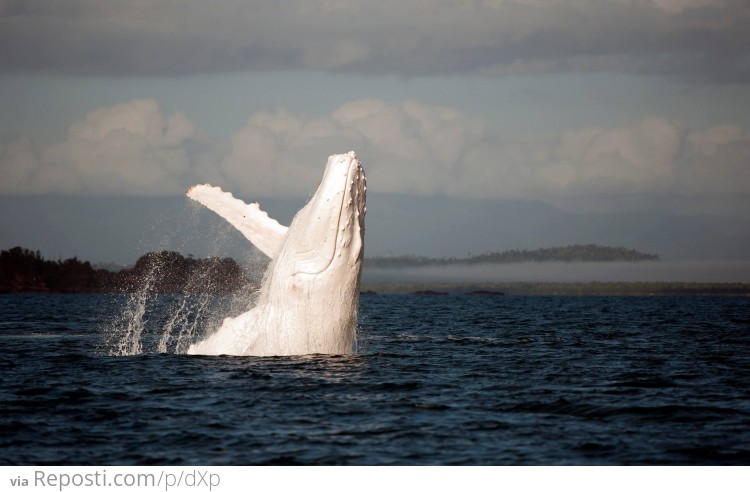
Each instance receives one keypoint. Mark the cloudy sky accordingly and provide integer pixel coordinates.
(592, 106)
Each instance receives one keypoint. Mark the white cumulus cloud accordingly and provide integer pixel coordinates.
(129, 148)
(134, 148)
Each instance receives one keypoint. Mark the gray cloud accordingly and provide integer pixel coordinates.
(705, 39)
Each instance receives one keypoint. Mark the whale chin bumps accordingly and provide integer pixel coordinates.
(309, 297)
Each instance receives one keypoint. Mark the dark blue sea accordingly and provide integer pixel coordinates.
(448, 380)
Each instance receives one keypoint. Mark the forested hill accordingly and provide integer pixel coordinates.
(577, 253)
(22, 270)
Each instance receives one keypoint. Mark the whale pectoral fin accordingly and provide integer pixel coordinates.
(255, 224)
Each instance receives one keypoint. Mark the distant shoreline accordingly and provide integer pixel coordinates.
(26, 272)
(614, 289)
(640, 289)
(587, 253)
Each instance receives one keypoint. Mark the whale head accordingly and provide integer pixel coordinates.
(326, 237)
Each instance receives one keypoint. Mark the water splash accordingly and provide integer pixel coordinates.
(147, 320)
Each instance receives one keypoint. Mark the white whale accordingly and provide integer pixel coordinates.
(308, 301)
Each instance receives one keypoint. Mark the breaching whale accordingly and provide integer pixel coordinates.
(308, 300)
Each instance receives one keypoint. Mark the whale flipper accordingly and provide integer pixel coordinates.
(255, 224)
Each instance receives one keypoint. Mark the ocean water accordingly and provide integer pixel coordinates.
(448, 380)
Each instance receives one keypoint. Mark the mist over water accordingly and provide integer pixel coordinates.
(657, 271)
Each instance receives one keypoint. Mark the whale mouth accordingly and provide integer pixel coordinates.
(329, 220)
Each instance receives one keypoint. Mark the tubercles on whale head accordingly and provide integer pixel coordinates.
(329, 223)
